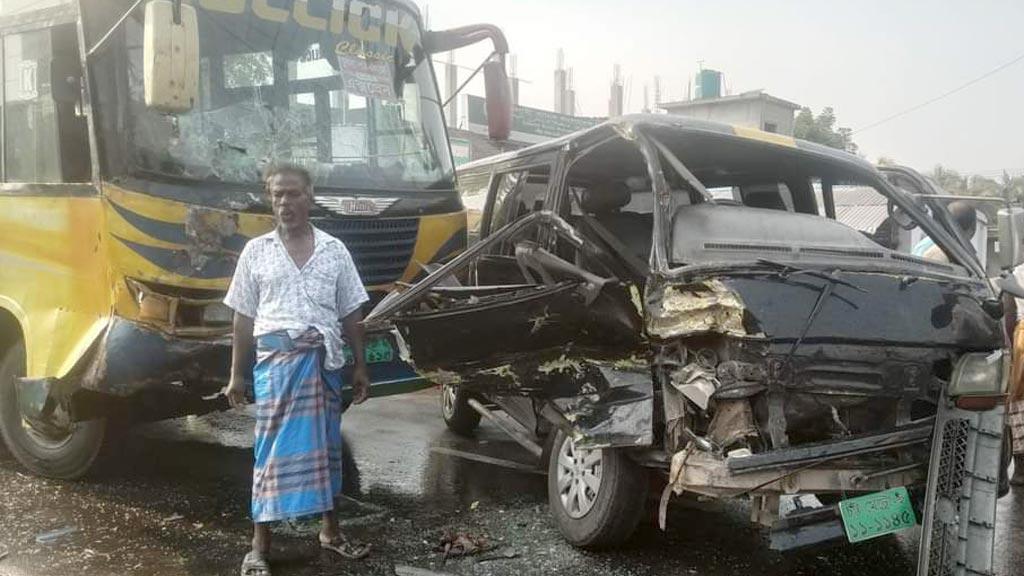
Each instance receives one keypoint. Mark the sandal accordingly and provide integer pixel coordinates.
(341, 546)
(253, 565)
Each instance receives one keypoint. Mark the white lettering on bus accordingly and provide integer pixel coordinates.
(360, 21)
(367, 22)
(264, 10)
(302, 16)
(226, 6)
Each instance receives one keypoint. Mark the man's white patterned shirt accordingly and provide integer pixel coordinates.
(278, 295)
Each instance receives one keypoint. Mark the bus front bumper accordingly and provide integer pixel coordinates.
(131, 357)
(171, 375)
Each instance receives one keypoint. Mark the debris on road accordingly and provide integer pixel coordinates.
(507, 555)
(460, 544)
(172, 518)
(402, 570)
(90, 553)
(54, 535)
(3, 554)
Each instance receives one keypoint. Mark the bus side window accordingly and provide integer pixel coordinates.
(31, 142)
(45, 140)
(72, 126)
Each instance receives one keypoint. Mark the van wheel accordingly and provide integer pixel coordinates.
(596, 496)
(65, 454)
(458, 415)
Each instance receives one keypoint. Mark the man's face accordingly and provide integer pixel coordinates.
(290, 199)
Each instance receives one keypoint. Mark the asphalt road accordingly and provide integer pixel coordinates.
(174, 500)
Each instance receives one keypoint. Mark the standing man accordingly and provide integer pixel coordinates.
(1015, 396)
(294, 290)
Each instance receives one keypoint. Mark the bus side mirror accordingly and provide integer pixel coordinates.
(170, 52)
(499, 99)
(1011, 229)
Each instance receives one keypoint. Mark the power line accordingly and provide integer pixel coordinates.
(999, 68)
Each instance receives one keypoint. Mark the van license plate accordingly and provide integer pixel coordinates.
(379, 349)
(873, 515)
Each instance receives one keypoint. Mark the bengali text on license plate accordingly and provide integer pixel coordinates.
(872, 515)
(378, 350)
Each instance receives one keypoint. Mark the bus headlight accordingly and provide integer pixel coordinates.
(980, 374)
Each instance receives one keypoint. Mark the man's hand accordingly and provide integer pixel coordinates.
(360, 384)
(241, 358)
(235, 392)
(353, 326)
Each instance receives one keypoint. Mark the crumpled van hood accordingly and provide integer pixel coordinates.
(882, 309)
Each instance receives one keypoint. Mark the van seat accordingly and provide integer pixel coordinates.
(632, 229)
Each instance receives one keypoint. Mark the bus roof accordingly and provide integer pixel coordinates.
(14, 12)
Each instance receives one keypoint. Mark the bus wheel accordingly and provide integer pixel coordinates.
(458, 415)
(65, 451)
(596, 496)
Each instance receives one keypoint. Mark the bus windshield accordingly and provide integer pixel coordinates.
(346, 91)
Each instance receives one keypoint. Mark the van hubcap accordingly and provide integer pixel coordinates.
(579, 478)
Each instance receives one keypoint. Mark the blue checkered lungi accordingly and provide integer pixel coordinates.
(297, 468)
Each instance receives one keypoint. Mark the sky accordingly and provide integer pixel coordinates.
(867, 60)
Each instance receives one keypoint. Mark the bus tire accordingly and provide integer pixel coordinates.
(458, 415)
(610, 514)
(65, 458)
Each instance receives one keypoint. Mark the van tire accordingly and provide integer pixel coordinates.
(617, 508)
(458, 415)
(69, 458)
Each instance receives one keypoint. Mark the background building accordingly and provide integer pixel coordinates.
(755, 108)
(529, 126)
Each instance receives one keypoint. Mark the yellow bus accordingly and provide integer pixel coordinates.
(132, 137)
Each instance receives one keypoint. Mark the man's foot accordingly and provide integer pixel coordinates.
(255, 564)
(350, 549)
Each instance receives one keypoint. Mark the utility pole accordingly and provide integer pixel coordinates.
(451, 85)
(514, 78)
(615, 99)
(569, 106)
(560, 82)
(657, 93)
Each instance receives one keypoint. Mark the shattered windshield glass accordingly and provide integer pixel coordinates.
(345, 90)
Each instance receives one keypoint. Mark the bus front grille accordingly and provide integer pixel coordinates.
(381, 248)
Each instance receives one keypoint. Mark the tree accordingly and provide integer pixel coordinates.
(953, 182)
(822, 129)
(1015, 184)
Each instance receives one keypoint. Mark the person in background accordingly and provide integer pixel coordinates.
(295, 289)
(966, 220)
(1015, 397)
